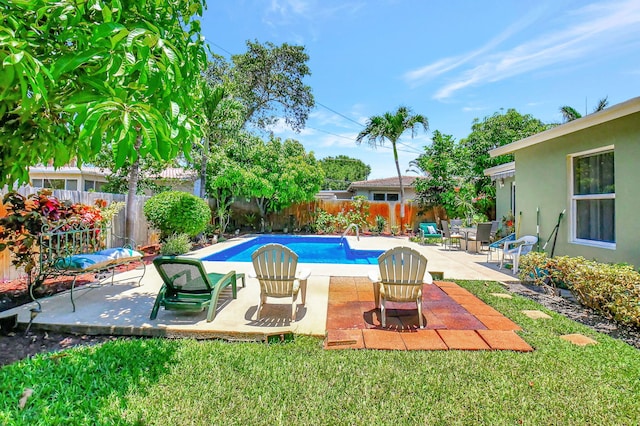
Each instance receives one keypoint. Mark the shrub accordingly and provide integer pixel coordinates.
(176, 212)
(325, 222)
(613, 290)
(381, 223)
(175, 245)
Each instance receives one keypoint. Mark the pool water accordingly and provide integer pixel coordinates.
(309, 249)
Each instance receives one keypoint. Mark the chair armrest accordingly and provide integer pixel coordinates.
(303, 274)
(374, 276)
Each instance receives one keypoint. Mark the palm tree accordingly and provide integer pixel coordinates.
(570, 113)
(390, 127)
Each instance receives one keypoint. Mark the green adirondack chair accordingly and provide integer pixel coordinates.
(188, 287)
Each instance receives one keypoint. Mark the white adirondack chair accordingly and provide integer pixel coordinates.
(275, 268)
(403, 271)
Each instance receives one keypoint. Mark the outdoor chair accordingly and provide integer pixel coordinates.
(429, 230)
(497, 246)
(455, 225)
(188, 287)
(403, 271)
(475, 240)
(495, 225)
(448, 237)
(275, 268)
(515, 249)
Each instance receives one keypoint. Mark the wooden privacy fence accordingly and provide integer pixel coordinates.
(141, 233)
(302, 214)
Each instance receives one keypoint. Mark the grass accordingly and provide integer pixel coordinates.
(158, 381)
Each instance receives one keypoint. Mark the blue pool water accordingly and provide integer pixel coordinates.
(309, 250)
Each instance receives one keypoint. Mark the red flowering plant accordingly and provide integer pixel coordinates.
(28, 216)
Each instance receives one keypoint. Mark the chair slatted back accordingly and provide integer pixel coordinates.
(446, 231)
(275, 266)
(182, 275)
(402, 271)
(483, 232)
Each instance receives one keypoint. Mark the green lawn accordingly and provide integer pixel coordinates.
(184, 382)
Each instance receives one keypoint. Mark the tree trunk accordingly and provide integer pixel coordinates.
(133, 189)
(395, 156)
(203, 167)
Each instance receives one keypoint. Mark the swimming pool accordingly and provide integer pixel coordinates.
(310, 249)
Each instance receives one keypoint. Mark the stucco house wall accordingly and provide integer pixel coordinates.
(544, 181)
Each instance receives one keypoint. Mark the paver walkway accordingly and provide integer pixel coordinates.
(456, 319)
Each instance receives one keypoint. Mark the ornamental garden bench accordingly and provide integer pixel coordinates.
(74, 249)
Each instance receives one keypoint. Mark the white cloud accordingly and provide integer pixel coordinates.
(420, 75)
(591, 31)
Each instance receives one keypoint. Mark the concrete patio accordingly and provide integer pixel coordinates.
(124, 308)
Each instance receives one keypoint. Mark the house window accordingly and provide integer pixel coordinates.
(392, 197)
(378, 197)
(593, 198)
(72, 185)
(37, 183)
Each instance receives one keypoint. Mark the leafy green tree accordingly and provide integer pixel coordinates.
(223, 117)
(107, 73)
(290, 175)
(231, 174)
(268, 81)
(493, 131)
(340, 171)
(570, 113)
(391, 126)
(444, 164)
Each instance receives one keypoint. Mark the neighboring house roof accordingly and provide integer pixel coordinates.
(386, 183)
(69, 170)
(501, 171)
(178, 173)
(617, 111)
(328, 194)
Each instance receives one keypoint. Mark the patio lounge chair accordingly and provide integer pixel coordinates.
(188, 287)
(403, 271)
(515, 249)
(275, 268)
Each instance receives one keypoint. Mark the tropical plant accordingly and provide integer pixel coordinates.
(176, 244)
(117, 74)
(176, 212)
(569, 113)
(391, 126)
(381, 223)
(324, 222)
(28, 216)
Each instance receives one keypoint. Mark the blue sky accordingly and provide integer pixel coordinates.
(451, 61)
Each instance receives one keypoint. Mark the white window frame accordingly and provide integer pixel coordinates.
(575, 198)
